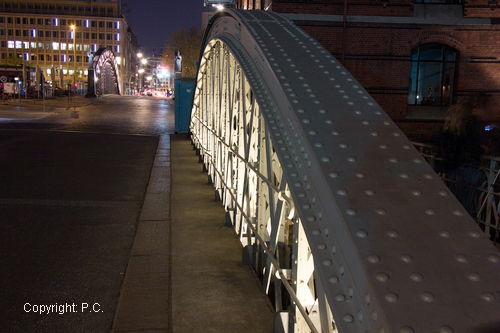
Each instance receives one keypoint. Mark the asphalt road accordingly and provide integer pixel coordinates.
(72, 184)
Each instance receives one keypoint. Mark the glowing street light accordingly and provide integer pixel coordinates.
(73, 27)
(141, 70)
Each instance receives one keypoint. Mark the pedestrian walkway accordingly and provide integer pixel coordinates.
(182, 235)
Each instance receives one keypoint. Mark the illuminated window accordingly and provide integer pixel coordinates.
(19, 44)
(55, 45)
(63, 46)
(10, 44)
(26, 56)
(117, 36)
(33, 45)
(432, 75)
(26, 45)
(118, 60)
(86, 23)
(117, 48)
(55, 22)
(63, 59)
(117, 25)
(70, 47)
(33, 33)
(86, 47)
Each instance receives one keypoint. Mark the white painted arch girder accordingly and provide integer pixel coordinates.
(392, 247)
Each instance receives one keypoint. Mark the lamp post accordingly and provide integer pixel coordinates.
(73, 28)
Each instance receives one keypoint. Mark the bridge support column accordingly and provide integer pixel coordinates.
(91, 84)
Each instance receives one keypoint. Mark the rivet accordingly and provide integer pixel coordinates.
(365, 122)
(443, 193)
(318, 144)
(321, 246)
(360, 175)
(416, 193)
(473, 276)
(374, 315)
(462, 258)
(487, 296)
(393, 160)
(374, 134)
(383, 146)
(342, 191)
(406, 258)
(380, 211)
(417, 160)
(323, 111)
(417, 277)
(327, 262)
(351, 211)
(351, 159)
(406, 147)
(428, 176)
(316, 232)
(445, 329)
(427, 296)
(326, 159)
(301, 111)
(406, 329)
(494, 258)
(340, 297)
(362, 233)
(312, 132)
(306, 206)
(396, 134)
(457, 212)
(382, 277)
(373, 259)
(393, 234)
(444, 234)
(333, 175)
(348, 318)
(474, 234)
(360, 316)
(391, 297)
(306, 121)
(311, 218)
(370, 192)
(302, 195)
(333, 279)
(343, 145)
(336, 133)
(430, 211)
(404, 175)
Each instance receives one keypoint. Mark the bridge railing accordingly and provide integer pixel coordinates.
(485, 198)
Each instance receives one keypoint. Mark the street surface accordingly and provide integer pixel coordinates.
(72, 183)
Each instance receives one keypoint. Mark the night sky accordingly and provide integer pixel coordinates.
(153, 21)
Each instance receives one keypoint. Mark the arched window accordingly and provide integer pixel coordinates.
(432, 75)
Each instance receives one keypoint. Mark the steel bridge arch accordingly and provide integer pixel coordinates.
(348, 228)
(107, 77)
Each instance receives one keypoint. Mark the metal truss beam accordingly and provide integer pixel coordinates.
(346, 225)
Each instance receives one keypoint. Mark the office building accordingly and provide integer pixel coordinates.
(56, 37)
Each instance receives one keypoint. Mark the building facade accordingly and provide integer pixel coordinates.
(56, 37)
(415, 58)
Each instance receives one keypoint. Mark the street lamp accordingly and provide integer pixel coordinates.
(73, 28)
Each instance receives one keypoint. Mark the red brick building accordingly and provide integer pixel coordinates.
(414, 57)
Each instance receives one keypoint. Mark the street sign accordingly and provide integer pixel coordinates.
(3, 78)
(8, 88)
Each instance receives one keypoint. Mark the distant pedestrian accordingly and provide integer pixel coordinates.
(461, 148)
